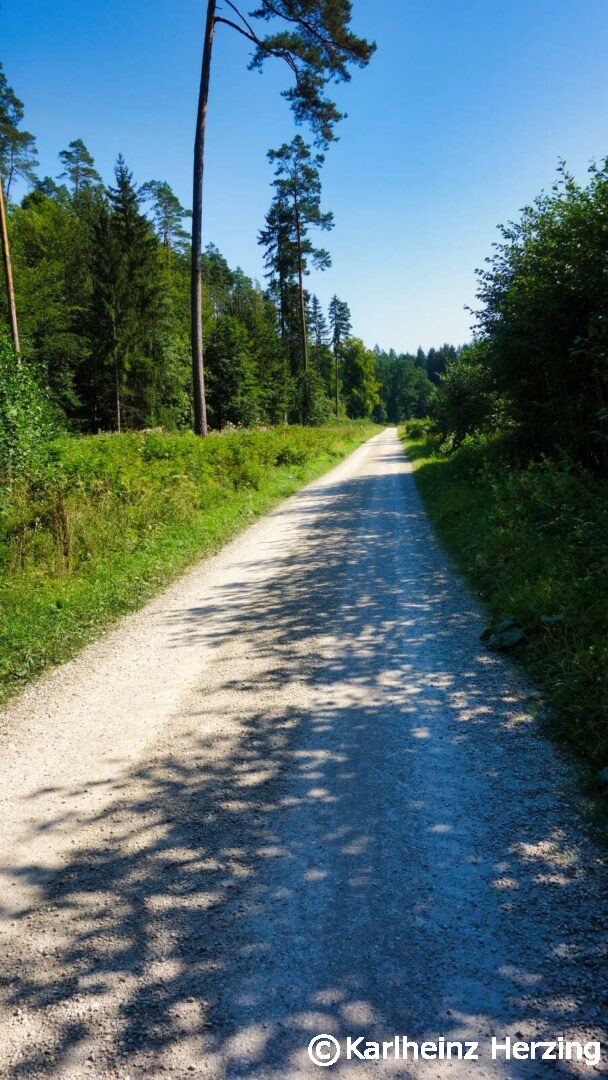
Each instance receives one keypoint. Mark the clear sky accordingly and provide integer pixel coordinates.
(457, 122)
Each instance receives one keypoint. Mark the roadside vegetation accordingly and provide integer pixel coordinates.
(513, 462)
(532, 539)
(92, 526)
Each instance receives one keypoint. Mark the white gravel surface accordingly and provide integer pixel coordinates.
(294, 795)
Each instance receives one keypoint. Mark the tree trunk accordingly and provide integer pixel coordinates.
(8, 274)
(337, 384)
(198, 369)
(301, 287)
(117, 390)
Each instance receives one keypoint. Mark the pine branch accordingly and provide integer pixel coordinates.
(280, 54)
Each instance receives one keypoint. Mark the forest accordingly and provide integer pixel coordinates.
(509, 434)
(102, 280)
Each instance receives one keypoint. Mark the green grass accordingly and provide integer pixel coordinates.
(533, 541)
(117, 517)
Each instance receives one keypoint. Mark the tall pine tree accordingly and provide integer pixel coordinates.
(297, 207)
(78, 167)
(315, 40)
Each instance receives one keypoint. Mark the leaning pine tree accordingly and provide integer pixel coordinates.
(314, 38)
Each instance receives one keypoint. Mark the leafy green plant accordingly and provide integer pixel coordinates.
(25, 418)
(417, 429)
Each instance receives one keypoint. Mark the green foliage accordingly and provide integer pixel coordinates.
(118, 516)
(17, 147)
(310, 404)
(417, 429)
(320, 352)
(405, 389)
(436, 360)
(466, 399)
(544, 319)
(339, 322)
(315, 39)
(128, 307)
(231, 377)
(78, 167)
(359, 383)
(167, 213)
(533, 540)
(295, 209)
(25, 420)
(52, 245)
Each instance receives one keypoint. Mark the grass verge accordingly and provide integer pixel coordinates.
(117, 517)
(533, 541)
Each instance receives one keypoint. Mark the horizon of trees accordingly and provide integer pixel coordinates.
(103, 292)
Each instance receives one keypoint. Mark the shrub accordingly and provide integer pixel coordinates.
(25, 418)
(310, 405)
(417, 429)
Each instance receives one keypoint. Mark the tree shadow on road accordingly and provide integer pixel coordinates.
(377, 849)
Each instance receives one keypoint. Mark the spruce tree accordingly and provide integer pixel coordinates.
(340, 324)
(319, 335)
(128, 305)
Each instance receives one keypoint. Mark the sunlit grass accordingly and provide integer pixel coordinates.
(117, 517)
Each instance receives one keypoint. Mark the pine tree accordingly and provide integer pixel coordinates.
(17, 148)
(296, 208)
(167, 214)
(78, 167)
(315, 40)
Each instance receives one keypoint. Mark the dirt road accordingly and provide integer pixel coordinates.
(294, 796)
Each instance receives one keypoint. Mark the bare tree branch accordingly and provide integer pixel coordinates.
(281, 54)
(246, 24)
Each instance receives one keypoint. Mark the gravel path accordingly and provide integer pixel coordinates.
(292, 796)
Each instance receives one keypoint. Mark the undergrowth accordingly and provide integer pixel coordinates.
(105, 521)
(533, 540)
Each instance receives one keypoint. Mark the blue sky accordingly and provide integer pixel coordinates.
(458, 121)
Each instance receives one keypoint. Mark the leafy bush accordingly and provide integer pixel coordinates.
(25, 419)
(466, 400)
(231, 379)
(544, 319)
(310, 405)
(417, 429)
